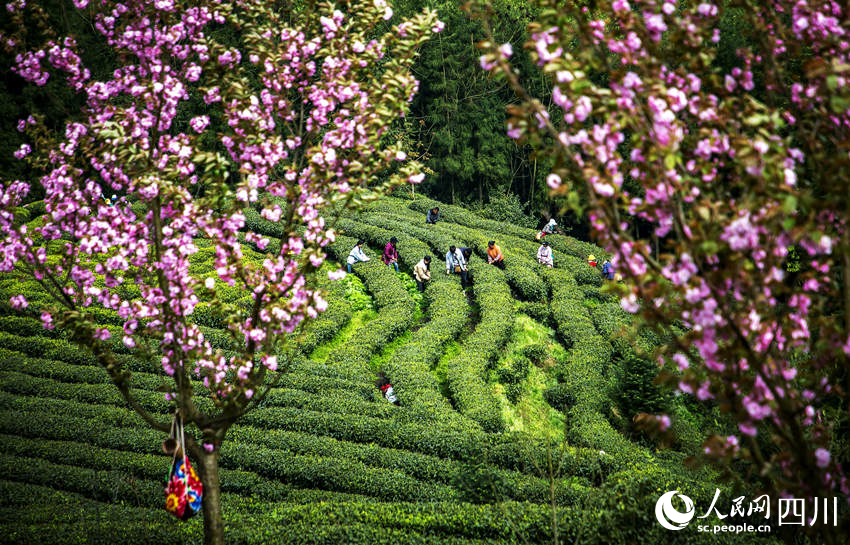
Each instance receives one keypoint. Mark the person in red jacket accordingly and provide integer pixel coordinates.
(383, 384)
(390, 257)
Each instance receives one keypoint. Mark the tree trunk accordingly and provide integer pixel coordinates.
(480, 192)
(531, 189)
(845, 274)
(213, 522)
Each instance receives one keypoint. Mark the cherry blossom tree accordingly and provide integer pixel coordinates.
(288, 115)
(729, 164)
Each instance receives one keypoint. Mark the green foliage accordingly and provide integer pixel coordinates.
(409, 368)
(560, 396)
(536, 353)
(478, 483)
(337, 316)
(637, 391)
(539, 311)
(792, 260)
(583, 373)
(396, 311)
(506, 207)
(410, 286)
(623, 509)
(513, 376)
(355, 294)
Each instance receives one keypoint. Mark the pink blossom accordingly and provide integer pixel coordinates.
(747, 429)
(23, 151)
(631, 80)
(621, 6)
(47, 320)
(822, 458)
(629, 303)
(707, 10)
(681, 360)
(583, 108)
(199, 123)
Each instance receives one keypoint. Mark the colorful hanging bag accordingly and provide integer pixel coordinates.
(184, 491)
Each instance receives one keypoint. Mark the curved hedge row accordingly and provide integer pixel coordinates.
(581, 271)
(114, 485)
(510, 452)
(326, 325)
(519, 268)
(583, 371)
(308, 377)
(410, 250)
(466, 371)
(92, 384)
(312, 471)
(396, 310)
(144, 466)
(520, 265)
(67, 518)
(435, 239)
(409, 368)
(429, 438)
(250, 450)
(611, 321)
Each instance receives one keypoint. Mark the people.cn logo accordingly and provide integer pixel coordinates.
(668, 516)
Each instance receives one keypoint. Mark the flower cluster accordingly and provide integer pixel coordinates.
(303, 130)
(708, 155)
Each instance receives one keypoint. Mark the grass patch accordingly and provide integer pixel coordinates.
(358, 319)
(521, 376)
(376, 364)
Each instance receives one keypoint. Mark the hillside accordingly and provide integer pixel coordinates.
(514, 397)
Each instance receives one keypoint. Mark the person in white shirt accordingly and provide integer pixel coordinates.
(356, 255)
(544, 255)
(550, 227)
(456, 263)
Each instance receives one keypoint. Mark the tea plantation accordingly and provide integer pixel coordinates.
(515, 410)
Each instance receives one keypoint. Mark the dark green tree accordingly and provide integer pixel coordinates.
(637, 391)
(460, 111)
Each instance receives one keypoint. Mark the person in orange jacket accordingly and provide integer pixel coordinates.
(494, 255)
